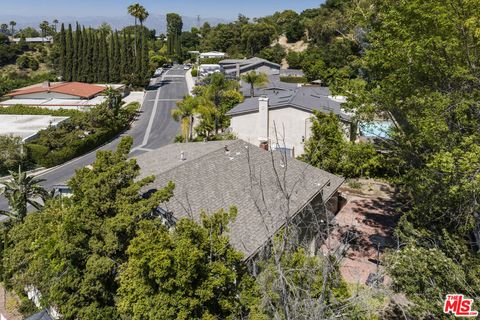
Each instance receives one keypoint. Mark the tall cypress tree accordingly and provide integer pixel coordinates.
(75, 53)
(69, 54)
(145, 59)
(79, 41)
(95, 56)
(124, 56)
(116, 57)
(84, 68)
(89, 63)
(111, 58)
(63, 45)
(104, 74)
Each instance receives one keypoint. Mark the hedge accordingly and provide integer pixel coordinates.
(27, 110)
(294, 79)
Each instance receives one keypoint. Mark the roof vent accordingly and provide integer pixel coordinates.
(182, 156)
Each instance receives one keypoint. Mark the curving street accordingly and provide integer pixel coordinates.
(153, 129)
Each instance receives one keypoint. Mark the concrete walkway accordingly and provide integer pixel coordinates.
(190, 81)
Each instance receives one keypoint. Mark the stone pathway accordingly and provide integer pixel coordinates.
(363, 231)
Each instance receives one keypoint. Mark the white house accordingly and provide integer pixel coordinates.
(61, 95)
(281, 117)
(212, 55)
(238, 67)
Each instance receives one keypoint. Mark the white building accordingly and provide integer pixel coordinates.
(281, 117)
(207, 69)
(60, 95)
(212, 55)
(238, 67)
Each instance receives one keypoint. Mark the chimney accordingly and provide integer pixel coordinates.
(263, 121)
(182, 156)
(238, 70)
(46, 84)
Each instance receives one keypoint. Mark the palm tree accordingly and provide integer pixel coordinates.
(21, 191)
(55, 22)
(137, 11)
(12, 25)
(185, 113)
(255, 80)
(44, 27)
(143, 15)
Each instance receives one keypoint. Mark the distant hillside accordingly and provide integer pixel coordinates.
(155, 21)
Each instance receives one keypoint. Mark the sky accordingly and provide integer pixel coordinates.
(226, 9)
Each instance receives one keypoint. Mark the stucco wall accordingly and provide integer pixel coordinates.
(292, 125)
(46, 95)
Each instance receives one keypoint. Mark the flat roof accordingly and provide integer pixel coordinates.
(26, 126)
(54, 102)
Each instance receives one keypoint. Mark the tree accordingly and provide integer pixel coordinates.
(255, 79)
(81, 242)
(55, 23)
(12, 26)
(44, 26)
(257, 36)
(139, 13)
(294, 30)
(325, 148)
(21, 191)
(190, 272)
(174, 31)
(10, 157)
(4, 28)
(411, 74)
(185, 114)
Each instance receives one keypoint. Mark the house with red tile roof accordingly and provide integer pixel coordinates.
(60, 90)
(60, 95)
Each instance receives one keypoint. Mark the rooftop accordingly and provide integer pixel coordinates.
(211, 178)
(247, 64)
(26, 126)
(281, 95)
(78, 89)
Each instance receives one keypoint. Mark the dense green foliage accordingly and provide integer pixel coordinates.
(89, 55)
(293, 79)
(26, 110)
(328, 149)
(83, 132)
(10, 156)
(191, 272)
(81, 242)
(420, 67)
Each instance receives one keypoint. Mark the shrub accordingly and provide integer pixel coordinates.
(23, 62)
(33, 64)
(37, 152)
(293, 79)
(194, 72)
(26, 110)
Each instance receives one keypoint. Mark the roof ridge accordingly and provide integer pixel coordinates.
(196, 159)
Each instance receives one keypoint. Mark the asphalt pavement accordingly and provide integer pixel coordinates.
(153, 129)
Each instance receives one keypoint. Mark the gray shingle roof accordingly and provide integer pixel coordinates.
(42, 315)
(281, 95)
(246, 64)
(211, 179)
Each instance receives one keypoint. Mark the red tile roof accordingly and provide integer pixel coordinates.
(78, 89)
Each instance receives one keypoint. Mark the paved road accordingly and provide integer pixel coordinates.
(153, 129)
